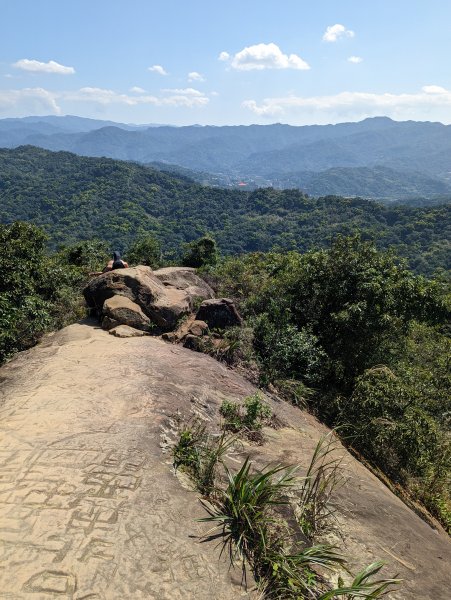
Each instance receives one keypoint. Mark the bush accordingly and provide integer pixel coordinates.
(199, 453)
(90, 255)
(146, 250)
(200, 253)
(287, 352)
(249, 418)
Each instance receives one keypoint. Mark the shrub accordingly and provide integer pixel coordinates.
(242, 511)
(200, 253)
(314, 511)
(199, 454)
(248, 418)
(145, 250)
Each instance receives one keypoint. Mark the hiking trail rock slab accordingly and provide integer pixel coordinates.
(90, 508)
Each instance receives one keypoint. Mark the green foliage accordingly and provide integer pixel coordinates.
(245, 511)
(145, 250)
(199, 454)
(246, 521)
(89, 254)
(241, 511)
(363, 585)
(200, 253)
(28, 287)
(248, 418)
(40, 292)
(314, 511)
(334, 313)
(75, 198)
(327, 320)
(285, 351)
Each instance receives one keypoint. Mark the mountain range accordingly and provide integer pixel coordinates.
(374, 158)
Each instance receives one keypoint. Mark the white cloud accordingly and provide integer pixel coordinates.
(35, 66)
(355, 105)
(337, 31)
(137, 90)
(195, 76)
(224, 56)
(184, 91)
(434, 89)
(158, 69)
(28, 101)
(355, 59)
(188, 97)
(266, 56)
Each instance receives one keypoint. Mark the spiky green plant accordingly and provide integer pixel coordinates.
(199, 453)
(314, 511)
(293, 575)
(211, 455)
(363, 585)
(242, 512)
(186, 451)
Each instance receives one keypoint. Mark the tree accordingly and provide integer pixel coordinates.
(145, 250)
(200, 253)
(358, 302)
(24, 309)
(91, 254)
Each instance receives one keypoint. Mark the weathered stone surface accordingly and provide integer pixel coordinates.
(108, 323)
(185, 278)
(193, 342)
(89, 504)
(164, 305)
(126, 312)
(170, 336)
(198, 328)
(219, 313)
(125, 331)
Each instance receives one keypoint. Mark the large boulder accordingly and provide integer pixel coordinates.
(185, 278)
(219, 313)
(123, 310)
(124, 331)
(163, 305)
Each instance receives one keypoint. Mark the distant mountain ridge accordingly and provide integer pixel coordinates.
(384, 158)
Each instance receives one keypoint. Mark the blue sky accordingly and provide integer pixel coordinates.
(206, 62)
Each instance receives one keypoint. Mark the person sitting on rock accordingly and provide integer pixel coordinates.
(115, 263)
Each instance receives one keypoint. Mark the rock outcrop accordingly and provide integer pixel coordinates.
(121, 309)
(185, 278)
(125, 331)
(162, 296)
(219, 313)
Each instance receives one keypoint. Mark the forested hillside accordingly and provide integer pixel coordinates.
(77, 198)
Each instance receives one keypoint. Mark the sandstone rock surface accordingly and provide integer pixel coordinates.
(219, 313)
(125, 331)
(185, 278)
(123, 310)
(163, 305)
(198, 328)
(90, 508)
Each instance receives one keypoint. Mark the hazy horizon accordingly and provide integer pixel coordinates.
(136, 124)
